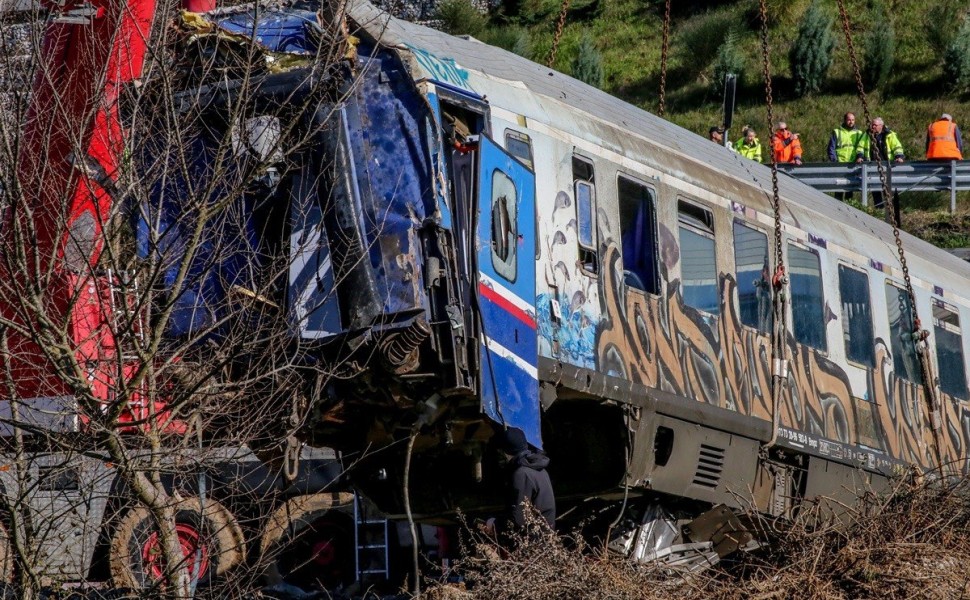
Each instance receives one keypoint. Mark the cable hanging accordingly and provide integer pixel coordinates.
(664, 49)
(779, 335)
(919, 335)
(557, 36)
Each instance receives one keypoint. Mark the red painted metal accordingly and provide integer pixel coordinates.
(190, 541)
(73, 144)
(324, 553)
(198, 5)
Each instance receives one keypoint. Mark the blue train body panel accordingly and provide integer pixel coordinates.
(291, 31)
(391, 150)
(506, 289)
(226, 255)
(366, 207)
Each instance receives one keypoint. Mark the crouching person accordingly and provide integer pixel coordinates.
(529, 488)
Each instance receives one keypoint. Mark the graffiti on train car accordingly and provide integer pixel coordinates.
(443, 70)
(660, 342)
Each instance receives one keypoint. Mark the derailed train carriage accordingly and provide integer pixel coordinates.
(477, 241)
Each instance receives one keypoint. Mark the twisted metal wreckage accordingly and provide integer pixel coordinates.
(475, 241)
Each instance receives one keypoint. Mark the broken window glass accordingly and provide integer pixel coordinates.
(902, 341)
(504, 230)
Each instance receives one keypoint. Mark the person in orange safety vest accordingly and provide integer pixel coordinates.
(785, 147)
(943, 140)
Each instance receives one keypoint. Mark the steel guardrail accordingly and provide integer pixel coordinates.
(917, 176)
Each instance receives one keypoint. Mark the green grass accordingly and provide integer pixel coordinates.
(629, 33)
(939, 227)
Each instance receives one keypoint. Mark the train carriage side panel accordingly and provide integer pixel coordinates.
(600, 340)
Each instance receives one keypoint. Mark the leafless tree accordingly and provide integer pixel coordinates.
(144, 339)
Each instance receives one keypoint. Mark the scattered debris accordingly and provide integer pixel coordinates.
(911, 544)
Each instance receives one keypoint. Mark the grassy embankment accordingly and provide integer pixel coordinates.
(628, 33)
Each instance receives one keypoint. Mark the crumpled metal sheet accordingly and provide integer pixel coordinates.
(288, 39)
(391, 143)
(290, 32)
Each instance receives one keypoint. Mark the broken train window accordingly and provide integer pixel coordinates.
(504, 230)
(753, 271)
(902, 341)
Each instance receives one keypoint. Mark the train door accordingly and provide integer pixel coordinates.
(506, 290)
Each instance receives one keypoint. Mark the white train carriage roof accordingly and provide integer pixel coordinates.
(844, 223)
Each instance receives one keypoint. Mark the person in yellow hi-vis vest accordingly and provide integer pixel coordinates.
(844, 146)
(887, 147)
(749, 146)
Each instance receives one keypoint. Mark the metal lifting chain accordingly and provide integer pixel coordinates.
(919, 334)
(558, 35)
(663, 60)
(779, 342)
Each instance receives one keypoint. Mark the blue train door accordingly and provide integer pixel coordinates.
(507, 289)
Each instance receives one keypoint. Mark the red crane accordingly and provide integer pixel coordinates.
(68, 166)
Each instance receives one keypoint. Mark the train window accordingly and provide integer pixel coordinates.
(520, 146)
(900, 309)
(807, 301)
(585, 213)
(856, 316)
(754, 287)
(583, 169)
(504, 230)
(638, 230)
(949, 350)
(698, 262)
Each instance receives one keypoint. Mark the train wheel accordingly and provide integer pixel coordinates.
(309, 541)
(212, 540)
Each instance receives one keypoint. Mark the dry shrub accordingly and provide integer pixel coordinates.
(911, 544)
(542, 565)
(914, 543)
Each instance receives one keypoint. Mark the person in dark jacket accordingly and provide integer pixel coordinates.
(528, 481)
